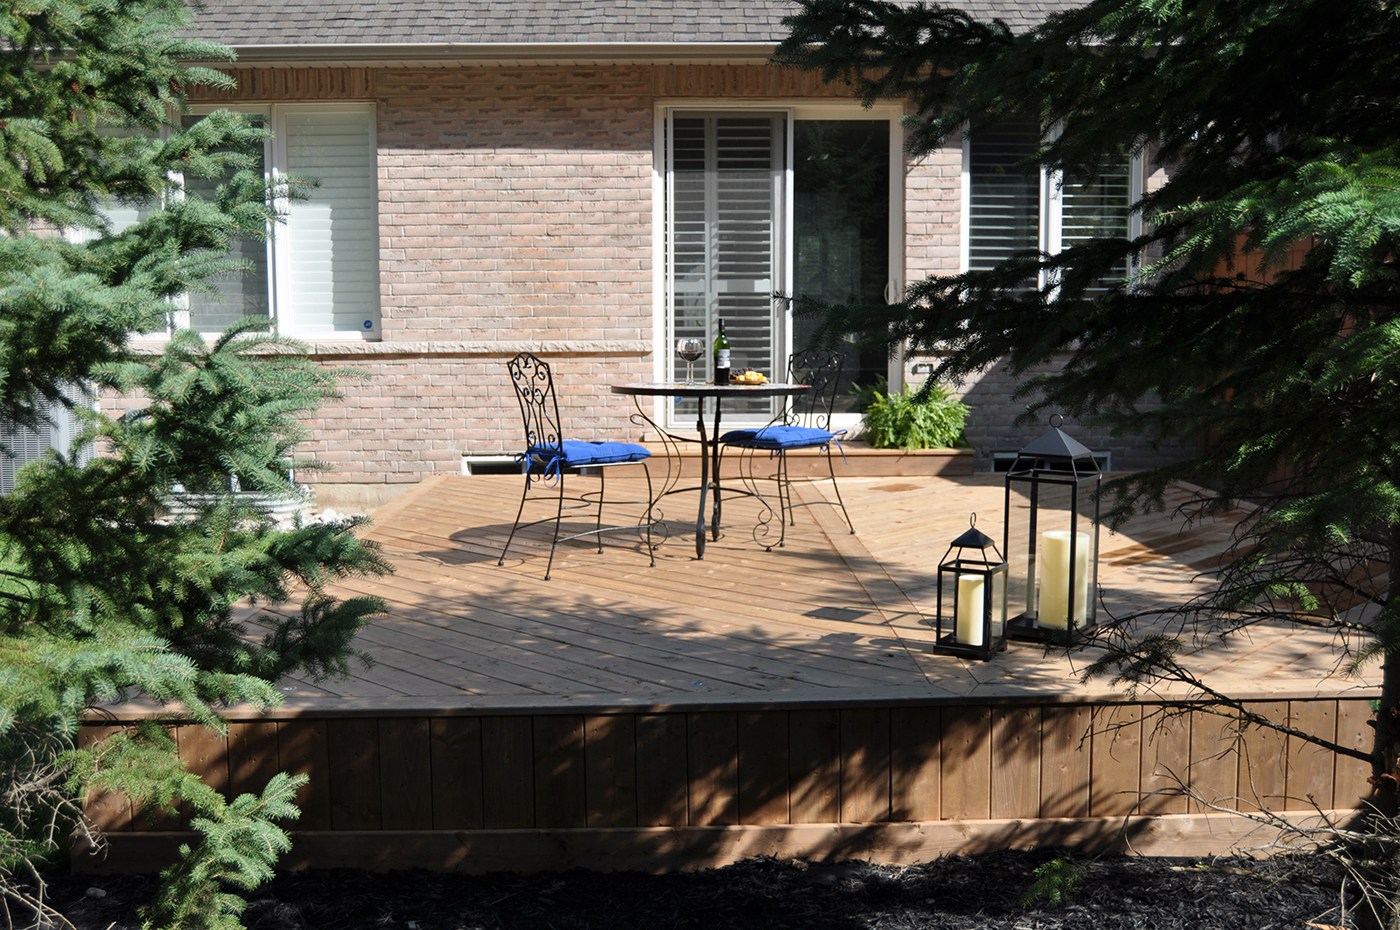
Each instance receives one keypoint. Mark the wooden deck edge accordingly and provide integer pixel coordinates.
(535, 705)
(667, 849)
(391, 508)
(857, 460)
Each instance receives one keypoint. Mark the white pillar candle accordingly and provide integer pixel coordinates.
(970, 610)
(1056, 578)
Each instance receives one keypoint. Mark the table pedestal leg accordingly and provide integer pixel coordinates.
(704, 482)
(713, 452)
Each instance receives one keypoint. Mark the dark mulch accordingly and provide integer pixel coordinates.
(956, 893)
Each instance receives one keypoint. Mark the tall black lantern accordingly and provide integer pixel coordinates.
(1052, 539)
(971, 597)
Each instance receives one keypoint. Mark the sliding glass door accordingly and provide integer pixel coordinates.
(757, 204)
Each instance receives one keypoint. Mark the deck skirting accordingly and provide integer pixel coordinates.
(667, 849)
(689, 789)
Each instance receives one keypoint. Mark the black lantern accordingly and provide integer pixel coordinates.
(971, 597)
(1052, 539)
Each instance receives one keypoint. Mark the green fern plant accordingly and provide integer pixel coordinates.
(930, 418)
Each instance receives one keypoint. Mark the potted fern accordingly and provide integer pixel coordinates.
(929, 418)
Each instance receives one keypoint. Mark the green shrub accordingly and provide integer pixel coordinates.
(926, 419)
(1053, 882)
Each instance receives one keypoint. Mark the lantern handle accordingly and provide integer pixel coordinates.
(972, 519)
(1054, 417)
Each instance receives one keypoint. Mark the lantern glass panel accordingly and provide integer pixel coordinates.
(1019, 523)
(1088, 500)
(972, 611)
(1052, 548)
(998, 603)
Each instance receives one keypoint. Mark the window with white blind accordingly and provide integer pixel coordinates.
(57, 430)
(319, 276)
(1009, 210)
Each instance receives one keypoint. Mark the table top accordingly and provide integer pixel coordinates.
(681, 389)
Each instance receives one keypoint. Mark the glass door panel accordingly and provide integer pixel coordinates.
(725, 222)
(841, 231)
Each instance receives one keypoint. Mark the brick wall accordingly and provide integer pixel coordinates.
(933, 213)
(515, 205)
(415, 416)
(516, 213)
(993, 424)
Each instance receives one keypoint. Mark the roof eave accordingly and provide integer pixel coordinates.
(449, 54)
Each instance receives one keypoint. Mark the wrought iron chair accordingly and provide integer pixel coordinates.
(548, 456)
(803, 424)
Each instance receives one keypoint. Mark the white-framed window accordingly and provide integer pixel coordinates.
(1007, 210)
(57, 431)
(762, 197)
(318, 276)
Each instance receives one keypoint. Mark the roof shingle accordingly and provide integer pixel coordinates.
(311, 23)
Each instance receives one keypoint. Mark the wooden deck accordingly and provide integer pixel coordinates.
(829, 617)
(780, 703)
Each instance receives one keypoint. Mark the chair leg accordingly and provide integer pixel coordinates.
(558, 518)
(784, 499)
(602, 488)
(523, 494)
(651, 550)
(835, 486)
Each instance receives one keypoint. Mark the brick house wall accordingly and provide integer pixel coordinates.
(516, 212)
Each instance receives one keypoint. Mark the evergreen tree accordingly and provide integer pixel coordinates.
(1277, 126)
(102, 594)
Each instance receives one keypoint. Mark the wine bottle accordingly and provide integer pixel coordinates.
(721, 356)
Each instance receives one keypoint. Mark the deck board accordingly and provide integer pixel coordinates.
(829, 617)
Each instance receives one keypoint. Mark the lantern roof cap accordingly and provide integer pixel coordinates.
(1057, 444)
(973, 539)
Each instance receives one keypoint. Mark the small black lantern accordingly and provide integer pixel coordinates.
(1052, 539)
(971, 597)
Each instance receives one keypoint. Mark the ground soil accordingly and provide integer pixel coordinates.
(956, 893)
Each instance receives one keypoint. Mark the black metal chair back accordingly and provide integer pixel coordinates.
(544, 458)
(539, 407)
(821, 368)
(808, 418)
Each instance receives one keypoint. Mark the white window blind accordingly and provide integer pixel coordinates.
(1003, 199)
(1097, 208)
(240, 294)
(1010, 210)
(20, 445)
(725, 221)
(332, 239)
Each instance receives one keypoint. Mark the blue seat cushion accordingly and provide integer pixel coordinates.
(576, 452)
(778, 437)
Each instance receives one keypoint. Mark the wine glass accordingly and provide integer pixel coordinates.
(689, 349)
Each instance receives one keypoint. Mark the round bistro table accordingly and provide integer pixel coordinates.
(709, 443)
